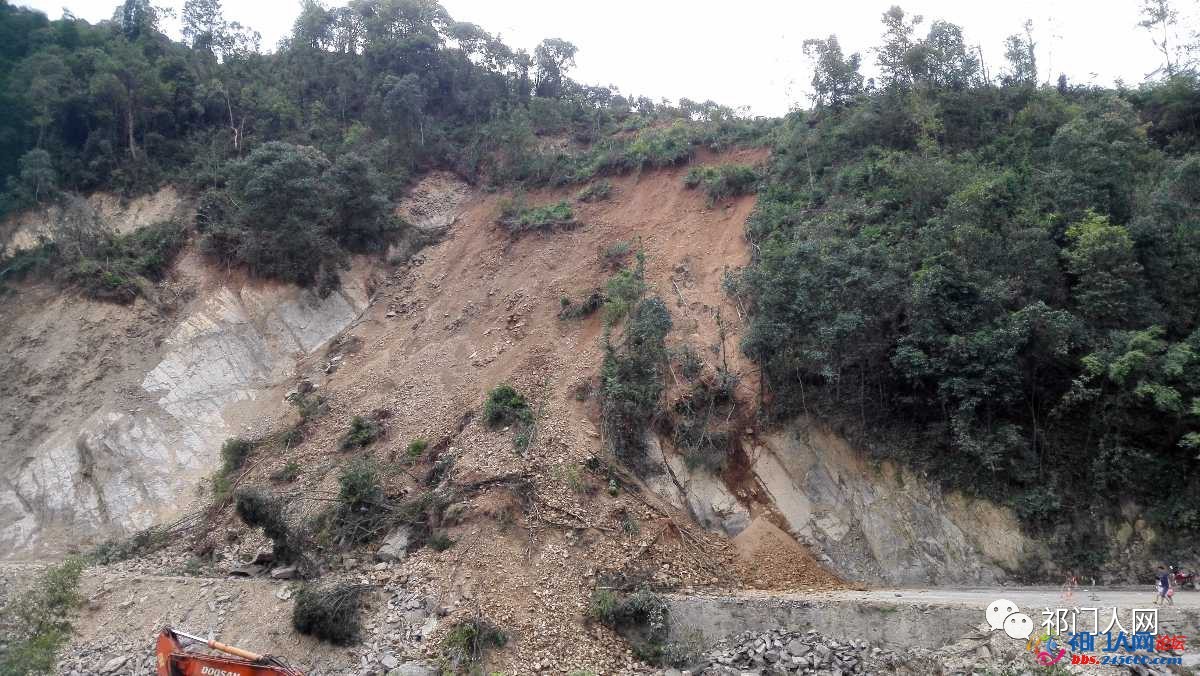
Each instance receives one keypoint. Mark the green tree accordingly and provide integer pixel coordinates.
(137, 18)
(404, 105)
(942, 61)
(202, 23)
(836, 78)
(37, 178)
(553, 57)
(279, 216)
(45, 78)
(1167, 233)
(1096, 159)
(1108, 288)
(893, 56)
(361, 219)
(1020, 52)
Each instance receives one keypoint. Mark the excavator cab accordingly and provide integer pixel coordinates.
(173, 660)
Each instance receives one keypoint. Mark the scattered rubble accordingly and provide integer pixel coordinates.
(781, 652)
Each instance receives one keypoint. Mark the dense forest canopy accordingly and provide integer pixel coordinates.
(998, 275)
(361, 95)
(999, 278)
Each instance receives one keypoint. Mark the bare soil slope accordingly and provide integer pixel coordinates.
(536, 531)
(533, 532)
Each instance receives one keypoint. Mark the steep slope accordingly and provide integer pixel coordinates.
(531, 532)
(113, 414)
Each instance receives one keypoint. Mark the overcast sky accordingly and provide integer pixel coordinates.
(747, 52)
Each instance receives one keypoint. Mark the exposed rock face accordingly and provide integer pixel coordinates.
(702, 494)
(115, 413)
(431, 207)
(881, 523)
(23, 229)
(137, 454)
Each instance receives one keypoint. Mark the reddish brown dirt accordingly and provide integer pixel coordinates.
(769, 558)
(479, 309)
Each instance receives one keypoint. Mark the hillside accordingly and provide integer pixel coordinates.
(475, 310)
(397, 350)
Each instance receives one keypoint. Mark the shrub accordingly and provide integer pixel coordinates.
(603, 607)
(573, 477)
(39, 259)
(363, 512)
(709, 455)
(439, 542)
(623, 290)
(358, 485)
(289, 213)
(288, 473)
(690, 363)
(517, 217)
(466, 644)
(363, 432)
(661, 147)
(595, 192)
(100, 262)
(310, 405)
(614, 254)
(222, 488)
(631, 378)
(123, 263)
(416, 448)
(523, 439)
(234, 452)
(722, 181)
(329, 612)
(629, 524)
(585, 308)
(139, 544)
(701, 423)
(37, 622)
(258, 509)
(292, 437)
(640, 617)
(506, 406)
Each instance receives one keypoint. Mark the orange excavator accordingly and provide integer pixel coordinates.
(173, 660)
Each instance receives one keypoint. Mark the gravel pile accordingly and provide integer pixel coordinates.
(784, 652)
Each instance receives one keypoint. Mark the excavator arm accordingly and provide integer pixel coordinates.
(173, 660)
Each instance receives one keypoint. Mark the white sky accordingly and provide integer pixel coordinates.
(747, 53)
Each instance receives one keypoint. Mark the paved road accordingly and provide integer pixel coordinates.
(1025, 597)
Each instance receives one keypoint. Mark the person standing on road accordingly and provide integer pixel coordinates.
(1163, 585)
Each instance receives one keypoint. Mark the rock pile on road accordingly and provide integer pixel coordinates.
(779, 652)
(784, 652)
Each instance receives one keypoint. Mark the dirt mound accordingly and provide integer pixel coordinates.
(769, 558)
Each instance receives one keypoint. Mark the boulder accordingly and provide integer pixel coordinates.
(114, 664)
(395, 546)
(413, 669)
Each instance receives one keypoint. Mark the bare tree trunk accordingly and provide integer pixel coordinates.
(129, 127)
(234, 127)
